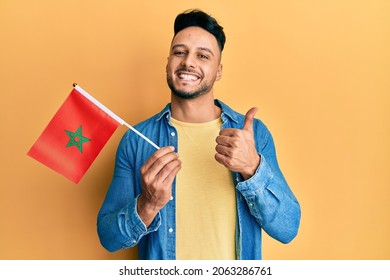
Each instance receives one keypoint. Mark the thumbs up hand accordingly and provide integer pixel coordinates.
(236, 148)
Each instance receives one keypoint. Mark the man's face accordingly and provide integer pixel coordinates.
(193, 63)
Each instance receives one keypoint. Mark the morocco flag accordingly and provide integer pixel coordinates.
(75, 135)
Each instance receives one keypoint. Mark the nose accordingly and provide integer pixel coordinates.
(189, 61)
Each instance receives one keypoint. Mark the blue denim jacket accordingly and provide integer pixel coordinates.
(264, 201)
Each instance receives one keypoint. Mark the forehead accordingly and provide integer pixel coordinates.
(196, 37)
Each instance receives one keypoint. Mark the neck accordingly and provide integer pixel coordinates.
(199, 110)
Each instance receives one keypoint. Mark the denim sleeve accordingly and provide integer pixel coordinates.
(269, 198)
(118, 224)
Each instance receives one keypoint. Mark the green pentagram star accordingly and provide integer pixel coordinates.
(77, 139)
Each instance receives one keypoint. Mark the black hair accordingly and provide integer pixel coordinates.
(200, 19)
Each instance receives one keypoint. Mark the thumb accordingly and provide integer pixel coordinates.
(250, 115)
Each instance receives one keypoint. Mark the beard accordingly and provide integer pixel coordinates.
(204, 88)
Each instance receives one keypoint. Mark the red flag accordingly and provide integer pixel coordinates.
(75, 136)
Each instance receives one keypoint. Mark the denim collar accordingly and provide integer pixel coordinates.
(227, 112)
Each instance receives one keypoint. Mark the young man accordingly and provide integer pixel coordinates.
(214, 184)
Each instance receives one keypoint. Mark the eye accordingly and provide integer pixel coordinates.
(203, 56)
(179, 53)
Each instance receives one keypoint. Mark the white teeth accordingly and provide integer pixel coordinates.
(187, 77)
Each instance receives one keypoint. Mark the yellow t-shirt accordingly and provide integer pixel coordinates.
(205, 196)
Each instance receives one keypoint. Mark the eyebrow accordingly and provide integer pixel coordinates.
(199, 48)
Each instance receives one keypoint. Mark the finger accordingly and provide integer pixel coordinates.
(224, 150)
(171, 172)
(159, 153)
(223, 140)
(221, 159)
(151, 171)
(162, 163)
(228, 131)
(250, 115)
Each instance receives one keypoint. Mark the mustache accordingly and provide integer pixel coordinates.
(188, 70)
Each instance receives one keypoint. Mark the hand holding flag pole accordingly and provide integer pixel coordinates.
(76, 134)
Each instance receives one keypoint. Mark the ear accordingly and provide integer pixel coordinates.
(219, 72)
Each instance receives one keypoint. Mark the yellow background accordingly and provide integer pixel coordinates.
(318, 70)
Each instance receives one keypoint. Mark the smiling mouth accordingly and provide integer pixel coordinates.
(188, 77)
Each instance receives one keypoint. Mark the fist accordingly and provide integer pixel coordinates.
(236, 148)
